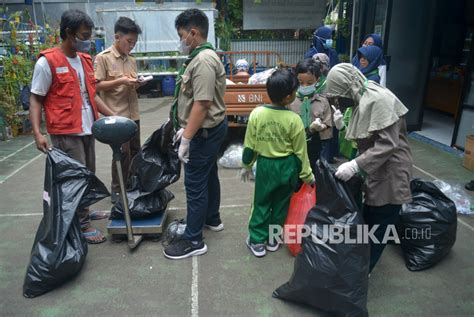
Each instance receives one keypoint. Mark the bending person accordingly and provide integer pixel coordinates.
(378, 126)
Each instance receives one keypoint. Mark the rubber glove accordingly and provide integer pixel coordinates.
(245, 174)
(183, 150)
(318, 125)
(337, 117)
(345, 171)
(178, 135)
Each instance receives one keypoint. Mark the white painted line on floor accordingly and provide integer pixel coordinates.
(22, 215)
(221, 207)
(425, 172)
(466, 224)
(35, 214)
(20, 168)
(4, 158)
(195, 289)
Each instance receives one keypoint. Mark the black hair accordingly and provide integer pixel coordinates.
(282, 83)
(193, 18)
(126, 25)
(309, 66)
(73, 19)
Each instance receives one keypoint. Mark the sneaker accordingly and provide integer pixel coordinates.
(257, 249)
(216, 228)
(272, 247)
(183, 249)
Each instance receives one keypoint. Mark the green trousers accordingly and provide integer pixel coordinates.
(275, 182)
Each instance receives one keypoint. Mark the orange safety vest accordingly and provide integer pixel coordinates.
(63, 102)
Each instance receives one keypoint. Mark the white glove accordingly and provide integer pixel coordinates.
(183, 150)
(178, 135)
(337, 117)
(245, 174)
(318, 125)
(345, 171)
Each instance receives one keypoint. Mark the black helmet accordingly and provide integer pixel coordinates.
(173, 232)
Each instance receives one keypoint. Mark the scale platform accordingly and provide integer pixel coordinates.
(148, 226)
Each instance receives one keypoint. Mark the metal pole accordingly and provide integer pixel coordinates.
(34, 14)
(133, 241)
(126, 212)
(354, 5)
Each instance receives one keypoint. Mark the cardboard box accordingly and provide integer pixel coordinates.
(469, 153)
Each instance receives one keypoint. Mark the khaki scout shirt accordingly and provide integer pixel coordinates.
(110, 65)
(203, 80)
(387, 160)
(320, 108)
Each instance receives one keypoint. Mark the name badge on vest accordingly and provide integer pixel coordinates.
(62, 70)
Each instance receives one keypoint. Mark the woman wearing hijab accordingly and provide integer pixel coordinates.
(322, 43)
(378, 126)
(374, 40)
(369, 61)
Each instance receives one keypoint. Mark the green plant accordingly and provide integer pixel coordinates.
(343, 27)
(19, 62)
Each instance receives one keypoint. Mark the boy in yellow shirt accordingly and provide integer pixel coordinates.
(276, 140)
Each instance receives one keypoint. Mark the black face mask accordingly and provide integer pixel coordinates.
(344, 103)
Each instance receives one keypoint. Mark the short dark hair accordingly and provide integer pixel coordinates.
(281, 83)
(126, 25)
(308, 66)
(193, 18)
(73, 19)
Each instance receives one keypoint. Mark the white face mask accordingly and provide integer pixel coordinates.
(183, 48)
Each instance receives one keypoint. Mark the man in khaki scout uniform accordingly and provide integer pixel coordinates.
(198, 113)
(116, 72)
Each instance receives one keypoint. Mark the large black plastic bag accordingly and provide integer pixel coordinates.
(427, 227)
(59, 249)
(329, 276)
(157, 165)
(154, 168)
(142, 204)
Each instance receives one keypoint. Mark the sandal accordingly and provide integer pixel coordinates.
(90, 235)
(98, 215)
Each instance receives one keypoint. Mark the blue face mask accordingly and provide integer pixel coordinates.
(328, 44)
(306, 90)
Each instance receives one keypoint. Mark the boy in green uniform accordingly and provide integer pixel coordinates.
(276, 139)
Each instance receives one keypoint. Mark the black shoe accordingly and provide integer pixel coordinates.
(470, 186)
(183, 249)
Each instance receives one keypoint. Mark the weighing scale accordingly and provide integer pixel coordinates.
(115, 131)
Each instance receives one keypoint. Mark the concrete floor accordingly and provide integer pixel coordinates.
(438, 126)
(227, 280)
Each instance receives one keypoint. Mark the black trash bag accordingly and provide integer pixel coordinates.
(174, 232)
(331, 276)
(157, 165)
(427, 227)
(59, 249)
(153, 169)
(142, 204)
